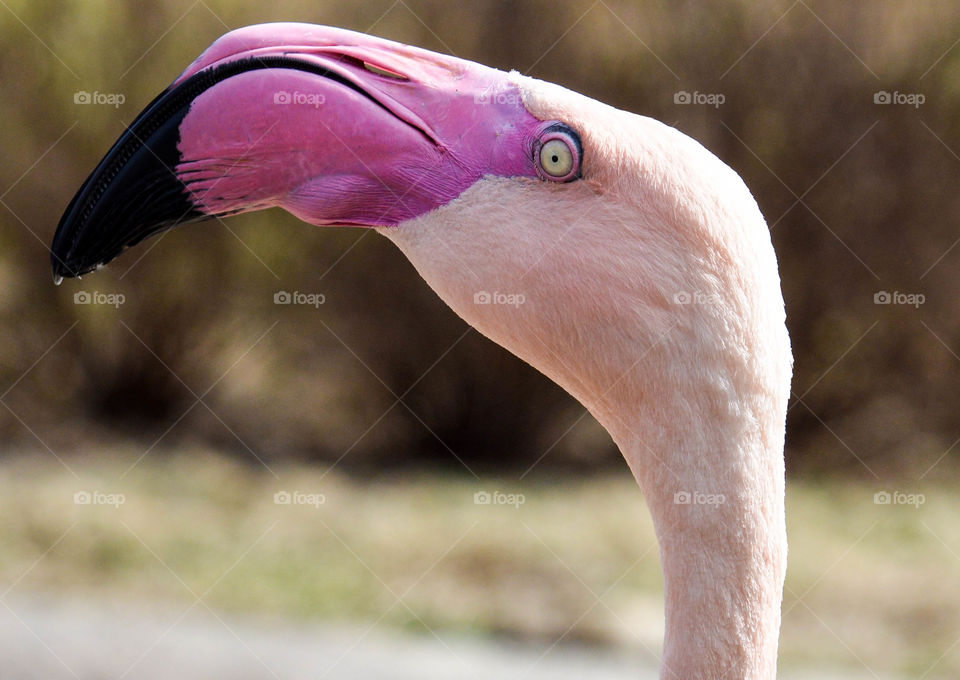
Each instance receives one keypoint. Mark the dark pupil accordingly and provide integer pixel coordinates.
(555, 158)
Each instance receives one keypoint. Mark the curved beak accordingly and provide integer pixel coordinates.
(334, 126)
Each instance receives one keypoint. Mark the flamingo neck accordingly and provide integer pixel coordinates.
(714, 483)
(693, 394)
(654, 299)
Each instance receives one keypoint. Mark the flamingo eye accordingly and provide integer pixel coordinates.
(556, 159)
(557, 153)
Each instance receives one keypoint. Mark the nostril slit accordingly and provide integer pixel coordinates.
(386, 73)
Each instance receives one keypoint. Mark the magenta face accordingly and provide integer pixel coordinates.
(335, 126)
(387, 133)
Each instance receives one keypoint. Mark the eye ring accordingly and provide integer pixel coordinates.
(557, 153)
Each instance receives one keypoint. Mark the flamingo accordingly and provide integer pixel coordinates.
(648, 281)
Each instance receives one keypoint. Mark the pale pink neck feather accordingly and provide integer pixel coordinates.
(717, 505)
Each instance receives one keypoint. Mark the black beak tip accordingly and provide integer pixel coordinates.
(62, 270)
(59, 273)
(133, 193)
(71, 255)
(61, 259)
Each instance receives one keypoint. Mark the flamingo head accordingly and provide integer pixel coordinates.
(502, 190)
(611, 252)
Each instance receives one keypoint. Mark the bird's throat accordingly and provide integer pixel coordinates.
(717, 501)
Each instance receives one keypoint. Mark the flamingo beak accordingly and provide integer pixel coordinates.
(334, 126)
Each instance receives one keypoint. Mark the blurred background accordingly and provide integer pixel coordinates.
(187, 399)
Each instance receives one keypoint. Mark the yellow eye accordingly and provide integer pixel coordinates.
(556, 158)
(558, 152)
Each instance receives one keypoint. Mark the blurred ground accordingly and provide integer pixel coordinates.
(92, 640)
(871, 587)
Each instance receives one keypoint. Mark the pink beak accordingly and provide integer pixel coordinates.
(335, 126)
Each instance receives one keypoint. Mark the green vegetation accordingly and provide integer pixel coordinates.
(867, 582)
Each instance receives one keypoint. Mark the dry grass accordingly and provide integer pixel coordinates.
(871, 584)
